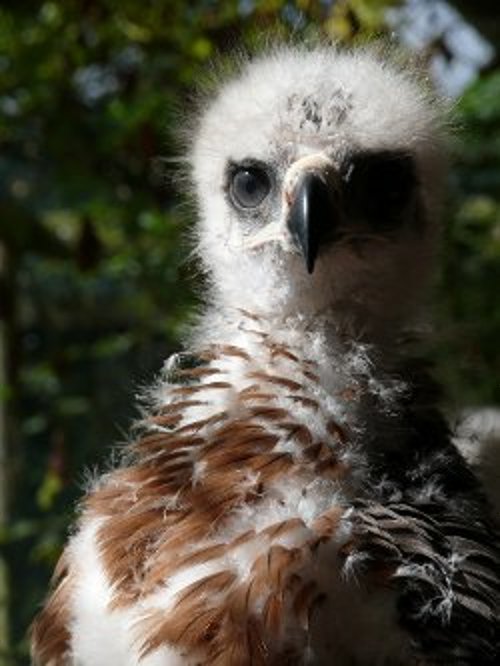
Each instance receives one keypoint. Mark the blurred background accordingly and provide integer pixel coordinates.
(95, 285)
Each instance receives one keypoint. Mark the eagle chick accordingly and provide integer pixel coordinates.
(293, 496)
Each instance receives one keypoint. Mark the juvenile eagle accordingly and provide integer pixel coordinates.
(293, 496)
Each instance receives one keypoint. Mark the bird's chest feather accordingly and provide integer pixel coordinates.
(227, 530)
(243, 528)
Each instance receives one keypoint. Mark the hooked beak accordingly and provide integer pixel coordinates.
(312, 217)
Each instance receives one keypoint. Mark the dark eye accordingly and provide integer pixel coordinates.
(249, 186)
(380, 186)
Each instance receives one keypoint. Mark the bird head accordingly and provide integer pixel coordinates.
(318, 176)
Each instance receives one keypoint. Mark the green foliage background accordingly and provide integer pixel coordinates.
(95, 288)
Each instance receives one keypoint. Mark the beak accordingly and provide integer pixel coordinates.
(312, 217)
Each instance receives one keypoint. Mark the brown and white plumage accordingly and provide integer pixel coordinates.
(292, 495)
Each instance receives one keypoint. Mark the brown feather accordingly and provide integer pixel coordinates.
(297, 431)
(336, 431)
(233, 350)
(180, 406)
(303, 603)
(328, 522)
(267, 378)
(306, 402)
(50, 630)
(277, 530)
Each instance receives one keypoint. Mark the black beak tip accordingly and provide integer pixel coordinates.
(310, 217)
(307, 250)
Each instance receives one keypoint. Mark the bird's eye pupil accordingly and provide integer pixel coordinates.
(249, 183)
(249, 186)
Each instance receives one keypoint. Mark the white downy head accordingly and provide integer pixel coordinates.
(318, 176)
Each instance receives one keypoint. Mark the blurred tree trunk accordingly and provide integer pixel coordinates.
(4, 446)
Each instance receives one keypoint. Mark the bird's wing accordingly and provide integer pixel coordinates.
(445, 573)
